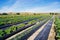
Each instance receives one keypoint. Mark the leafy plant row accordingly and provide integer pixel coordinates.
(25, 32)
(57, 28)
(12, 19)
(14, 28)
(28, 32)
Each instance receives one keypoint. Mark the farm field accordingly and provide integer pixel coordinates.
(22, 26)
(29, 19)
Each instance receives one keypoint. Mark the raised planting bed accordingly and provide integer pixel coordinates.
(9, 20)
(24, 35)
(10, 23)
(15, 29)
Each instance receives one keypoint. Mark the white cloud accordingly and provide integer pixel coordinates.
(49, 8)
(53, 7)
(11, 8)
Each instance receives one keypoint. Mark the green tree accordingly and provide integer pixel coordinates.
(18, 13)
(4, 14)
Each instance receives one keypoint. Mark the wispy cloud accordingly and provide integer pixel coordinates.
(18, 6)
(53, 7)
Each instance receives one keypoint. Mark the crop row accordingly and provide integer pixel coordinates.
(57, 28)
(7, 20)
(14, 28)
(25, 32)
(28, 32)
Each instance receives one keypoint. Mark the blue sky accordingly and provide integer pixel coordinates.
(29, 5)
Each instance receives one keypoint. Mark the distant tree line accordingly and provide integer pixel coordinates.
(7, 13)
(54, 13)
(36, 13)
(3, 13)
(33, 13)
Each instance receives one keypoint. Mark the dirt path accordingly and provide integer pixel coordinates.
(52, 33)
(37, 32)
